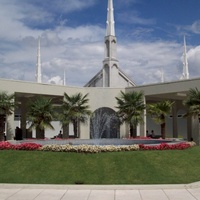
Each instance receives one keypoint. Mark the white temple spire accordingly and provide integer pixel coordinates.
(110, 75)
(110, 29)
(64, 79)
(162, 76)
(38, 65)
(185, 74)
(110, 63)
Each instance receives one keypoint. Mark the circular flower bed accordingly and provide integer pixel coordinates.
(94, 148)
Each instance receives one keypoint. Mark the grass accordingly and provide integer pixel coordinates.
(138, 167)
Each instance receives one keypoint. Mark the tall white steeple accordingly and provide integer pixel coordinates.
(110, 75)
(64, 78)
(110, 29)
(110, 63)
(185, 74)
(38, 65)
(162, 76)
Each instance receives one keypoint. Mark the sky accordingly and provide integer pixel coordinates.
(149, 39)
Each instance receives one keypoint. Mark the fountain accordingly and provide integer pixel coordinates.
(104, 130)
(104, 124)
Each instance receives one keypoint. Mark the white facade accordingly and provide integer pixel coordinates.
(105, 97)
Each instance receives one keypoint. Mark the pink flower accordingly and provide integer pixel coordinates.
(24, 146)
(165, 146)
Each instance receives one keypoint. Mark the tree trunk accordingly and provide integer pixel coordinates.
(163, 130)
(40, 134)
(75, 125)
(65, 131)
(132, 131)
(2, 127)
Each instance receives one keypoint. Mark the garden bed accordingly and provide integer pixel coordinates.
(94, 148)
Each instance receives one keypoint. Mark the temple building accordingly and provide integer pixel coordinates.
(102, 90)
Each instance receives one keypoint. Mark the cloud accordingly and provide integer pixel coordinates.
(126, 3)
(64, 5)
(80, 51)
(57, 80)
(194, 61)
(195, 28)
(74, 51)
(36, 17)
(12, 28)
(141, 33)
(49, 15)
(144, 61)
(60, 45)
(191, 28)
(133, 17)
(78, 58)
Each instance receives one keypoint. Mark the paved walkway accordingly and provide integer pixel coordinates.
(98, 192)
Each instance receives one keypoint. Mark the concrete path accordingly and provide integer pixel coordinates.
(99, 192)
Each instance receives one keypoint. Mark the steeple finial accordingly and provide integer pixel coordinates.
(38, 65)
(185, 62)
(110, 29)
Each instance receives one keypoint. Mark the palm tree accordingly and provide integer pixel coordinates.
(7, 106)
(193, 102)
(40, 114)
(131, 107)
(158, 111)
(75, 109)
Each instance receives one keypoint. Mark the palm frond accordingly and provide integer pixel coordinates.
(130, 107)
(75, 109)
(41, 113)
(158, 111)
(193, 102)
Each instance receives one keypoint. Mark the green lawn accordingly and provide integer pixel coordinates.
(138, 167)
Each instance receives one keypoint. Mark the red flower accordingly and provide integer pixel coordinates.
(165, 146)
(24, 146)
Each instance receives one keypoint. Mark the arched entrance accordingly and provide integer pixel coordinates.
(104, 123)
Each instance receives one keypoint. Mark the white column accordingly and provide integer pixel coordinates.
(143, 127)
(23, 117)
(10, 127)
(174, 118)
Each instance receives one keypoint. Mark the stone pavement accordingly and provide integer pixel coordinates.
(100, 192)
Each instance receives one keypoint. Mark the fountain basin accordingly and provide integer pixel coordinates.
(102, 142)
